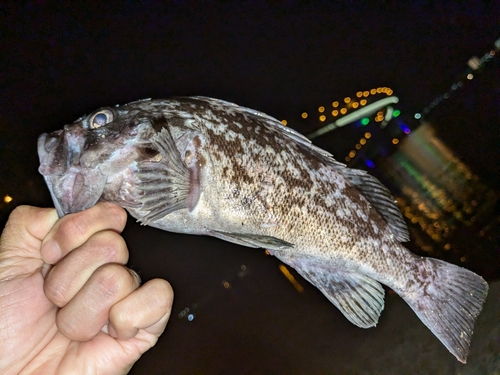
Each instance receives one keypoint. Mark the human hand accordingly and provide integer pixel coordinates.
(86, 314)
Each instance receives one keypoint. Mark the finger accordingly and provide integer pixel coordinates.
(23, 234)
(73, 230)
(69, 275)
(85, 315)
(147, 307)
(27, 224)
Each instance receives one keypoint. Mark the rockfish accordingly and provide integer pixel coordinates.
(204, 166)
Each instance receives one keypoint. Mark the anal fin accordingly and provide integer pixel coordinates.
(358, 297)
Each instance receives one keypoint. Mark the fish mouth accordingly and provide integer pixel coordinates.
(73, 188)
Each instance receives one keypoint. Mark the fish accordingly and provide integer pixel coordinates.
(205, 166)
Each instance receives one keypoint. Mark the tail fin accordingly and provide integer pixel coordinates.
(448, 300)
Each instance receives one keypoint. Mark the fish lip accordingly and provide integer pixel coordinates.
(72, 188)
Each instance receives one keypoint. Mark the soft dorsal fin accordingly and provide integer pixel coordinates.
(380, 197)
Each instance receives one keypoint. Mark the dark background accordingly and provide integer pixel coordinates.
(60, 61)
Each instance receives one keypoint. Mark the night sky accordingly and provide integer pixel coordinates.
(60, 62)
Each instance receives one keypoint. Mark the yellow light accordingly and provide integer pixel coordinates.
(379, 90)
(380, 114)
(366, 93)
(362, 102)
(373, 91)
(290, 278)
(395, 141)
(358, 146)
(7, 199)
(352, 153)
(355, 104)
(284, 122)
(226, 285)
(362, 141)
(343, 111)
(368, 135)
(321, 109)
(389, 92)
(335, 112)
(304, 115)
(322, 118)
(335, 104)
(347, 100)
(359, 94)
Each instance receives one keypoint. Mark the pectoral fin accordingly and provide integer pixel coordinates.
(166, 185)
(358, 297)
(252, 240)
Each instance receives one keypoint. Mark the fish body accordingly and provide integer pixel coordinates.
(208, 167)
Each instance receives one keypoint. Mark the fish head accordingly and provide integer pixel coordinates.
(93, 158)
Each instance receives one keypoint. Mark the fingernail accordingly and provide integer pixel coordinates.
(51, 252)
(112, 331)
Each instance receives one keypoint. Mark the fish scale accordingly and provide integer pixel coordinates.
(204, 166)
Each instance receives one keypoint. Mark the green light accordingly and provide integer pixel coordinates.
(365, 121)
(396, 113)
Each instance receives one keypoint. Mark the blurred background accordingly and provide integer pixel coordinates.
(421, 82)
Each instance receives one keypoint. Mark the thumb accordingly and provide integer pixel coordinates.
(23, 234)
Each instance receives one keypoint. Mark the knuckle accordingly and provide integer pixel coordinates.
(113, 213)
(111, 245)
(111, 280)
(74, 226)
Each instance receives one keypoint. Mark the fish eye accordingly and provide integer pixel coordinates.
(101, 118)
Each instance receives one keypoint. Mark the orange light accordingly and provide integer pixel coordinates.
(321, 109)
(347, 100)
(284, 122)
(352, 154)
(359, 94)
(373, 91)
(366, 93)
(335, 104)
(335, 112)
(362, 102)
(343, 111)
(7, 199)
(304, 115)
(355, 104)
(368, 135)
(322, 118)
(395, 141)
(362, 141)
(358, 146)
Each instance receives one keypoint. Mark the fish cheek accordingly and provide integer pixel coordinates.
(194, 161)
